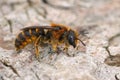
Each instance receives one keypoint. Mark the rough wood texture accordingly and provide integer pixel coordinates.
(100, 19)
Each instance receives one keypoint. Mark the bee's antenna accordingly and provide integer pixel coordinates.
(81, 42)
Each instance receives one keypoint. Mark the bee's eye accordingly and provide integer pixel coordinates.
(71, 38)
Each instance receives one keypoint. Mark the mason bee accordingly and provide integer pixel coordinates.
(54, 35)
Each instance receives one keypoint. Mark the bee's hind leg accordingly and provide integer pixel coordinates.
(36, 44)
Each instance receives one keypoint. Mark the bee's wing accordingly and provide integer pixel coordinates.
(34, 27)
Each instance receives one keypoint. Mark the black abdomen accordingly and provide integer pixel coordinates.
(28, 35)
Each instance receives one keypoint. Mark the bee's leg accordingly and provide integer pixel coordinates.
(54, 46)
(58, 50)
(36, 47)
(66, 50)
(66, 47)
(53, 49)
(50, 52)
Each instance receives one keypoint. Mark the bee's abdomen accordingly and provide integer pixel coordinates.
(27, 36)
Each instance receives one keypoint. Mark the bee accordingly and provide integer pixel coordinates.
(55, 35)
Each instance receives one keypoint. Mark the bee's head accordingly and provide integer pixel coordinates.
(71, 37)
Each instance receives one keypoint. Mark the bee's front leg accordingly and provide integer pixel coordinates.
(66, 50)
